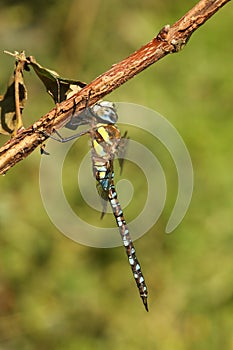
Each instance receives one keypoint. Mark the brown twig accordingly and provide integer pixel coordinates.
(169, 40)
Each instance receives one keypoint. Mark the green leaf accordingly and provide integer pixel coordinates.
(59, 88)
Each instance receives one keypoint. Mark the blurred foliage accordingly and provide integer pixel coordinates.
(57, 294)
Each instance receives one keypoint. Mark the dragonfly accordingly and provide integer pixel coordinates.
(106, 144)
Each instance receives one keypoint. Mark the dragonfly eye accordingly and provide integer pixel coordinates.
(105, 112)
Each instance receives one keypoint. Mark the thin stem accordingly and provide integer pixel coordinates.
(169, 40)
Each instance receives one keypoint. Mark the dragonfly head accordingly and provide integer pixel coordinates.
(105, 112)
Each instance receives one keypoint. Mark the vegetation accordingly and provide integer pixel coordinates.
(57, 294)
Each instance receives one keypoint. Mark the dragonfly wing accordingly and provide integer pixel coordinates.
(78, 119)
(104, 198)
(104, 180)
(121, 151)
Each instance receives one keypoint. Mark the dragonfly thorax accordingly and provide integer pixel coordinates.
(105, 112)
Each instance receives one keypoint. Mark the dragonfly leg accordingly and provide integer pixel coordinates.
(43, 151)
(88, 109)
(66, 139)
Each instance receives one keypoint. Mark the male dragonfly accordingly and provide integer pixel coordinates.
(106, 143)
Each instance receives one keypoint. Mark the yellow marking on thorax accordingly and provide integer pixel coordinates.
(98, 148)
(105, 135)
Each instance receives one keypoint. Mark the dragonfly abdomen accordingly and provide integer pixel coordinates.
(103, 177)
(105, 144)
(128, 244)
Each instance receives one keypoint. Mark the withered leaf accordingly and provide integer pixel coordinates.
(13, 101)
(59, 88)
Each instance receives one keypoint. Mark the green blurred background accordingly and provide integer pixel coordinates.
(57, 294)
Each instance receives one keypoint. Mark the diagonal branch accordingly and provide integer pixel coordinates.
(169, 40)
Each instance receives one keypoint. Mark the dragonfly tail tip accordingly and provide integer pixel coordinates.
(145, 303)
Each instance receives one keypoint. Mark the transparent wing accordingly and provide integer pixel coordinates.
(104, 198)
(121, 151)
(103, 185)
(78, 119)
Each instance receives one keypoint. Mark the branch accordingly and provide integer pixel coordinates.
(169, 40)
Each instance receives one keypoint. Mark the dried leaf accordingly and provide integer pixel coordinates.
(59, 88)
(13, 102)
